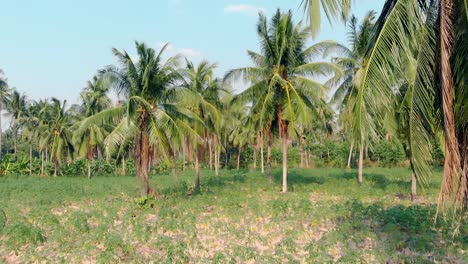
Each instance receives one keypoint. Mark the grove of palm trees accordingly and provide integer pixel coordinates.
(315, 151)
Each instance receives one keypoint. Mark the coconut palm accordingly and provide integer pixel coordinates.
(438, 101)
(149, 116)
(94, 100)
(352, 61)
(4, 94)
(333, 9)
(203, 100)
(16, 106)
(282, 90)
(56, 135)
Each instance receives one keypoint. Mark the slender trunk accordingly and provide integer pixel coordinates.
(183, 156)
(269, 143)
(15, 140)
(361, 163)
(30, 159)
(284, 138)
(55, 168)
(262, 162)
(413, 186)
(176, 166)
(89, 167)
(197, 172)
(238, 158)
(210, 153)
(42, 163)
(255, 150)
(301, 151)
(124, 166)
(350, 155)
(216, 152)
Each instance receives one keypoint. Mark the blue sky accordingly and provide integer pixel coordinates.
(52, 47)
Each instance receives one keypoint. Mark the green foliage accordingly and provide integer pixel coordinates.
(389, 153)
(19, 234)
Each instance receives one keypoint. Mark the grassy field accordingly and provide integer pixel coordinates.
(237, 218)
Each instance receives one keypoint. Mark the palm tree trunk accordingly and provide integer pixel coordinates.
(361, 163)
(216, 152)
(452, 163)
(284, 144)
(238, 158)
(255, 151)
(262, 162)
(124, 166)
(285, 162)
(89, 168)
(350, 155)
(141, 156)
(413, 187)
(42, 163)
(210, 152)
(183, 155)
(197, 172)
(55, 168)
(15, 140)
(30, 159)
(176, 166)
(269, 143)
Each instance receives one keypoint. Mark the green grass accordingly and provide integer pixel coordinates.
(237, 217)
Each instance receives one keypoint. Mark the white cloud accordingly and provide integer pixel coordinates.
(246, 9)
(189, 53)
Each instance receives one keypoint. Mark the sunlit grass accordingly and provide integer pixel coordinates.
(237, 217)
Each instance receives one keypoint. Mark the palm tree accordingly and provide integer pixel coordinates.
(439, 90)
(333, 9)
(56, 134)
(149, 116)
(353, 62)
(16, 107)
(4, 94)
(203, 100)
(95, 100)
(282, 91)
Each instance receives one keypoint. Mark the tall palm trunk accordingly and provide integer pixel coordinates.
(361, 163)
(142, 158)
(261, 153)
(238, 158)
(255, 152)
(197, 172)
(284, 145)
(15, 139)
(452, 164)
(210, 152)
(176, 166)
(350, 155)
(89, 168)
(30, 159)
(124, 166)
(269, 143)
(42, 163)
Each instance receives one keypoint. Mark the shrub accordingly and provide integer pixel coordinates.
(389, 153)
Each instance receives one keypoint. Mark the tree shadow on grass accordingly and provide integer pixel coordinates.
(408, 234)
(297, 178)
